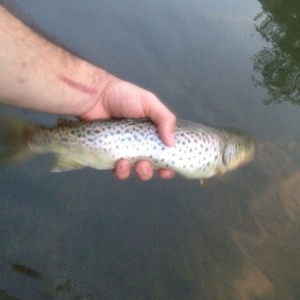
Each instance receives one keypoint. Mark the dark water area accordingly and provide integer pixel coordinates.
(86, 235)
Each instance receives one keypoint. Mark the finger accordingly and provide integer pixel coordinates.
(166, 128)
(143, 170)
(122, 169)
(162, 117)
(166, 173)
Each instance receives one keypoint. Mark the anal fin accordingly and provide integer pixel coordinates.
(64, 163)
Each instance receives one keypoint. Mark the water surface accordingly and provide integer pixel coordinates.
(85, 235)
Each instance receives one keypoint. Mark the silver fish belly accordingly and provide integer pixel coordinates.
(200, 152)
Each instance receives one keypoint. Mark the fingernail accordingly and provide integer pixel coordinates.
(122, 170)
(144, 172)
(170, 140)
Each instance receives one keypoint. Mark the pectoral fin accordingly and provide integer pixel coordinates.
(64, 163)
(220, 171)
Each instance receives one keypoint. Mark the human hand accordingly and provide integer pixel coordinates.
(36, 74)
(121, 99)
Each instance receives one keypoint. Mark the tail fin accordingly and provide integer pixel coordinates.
(14, 135)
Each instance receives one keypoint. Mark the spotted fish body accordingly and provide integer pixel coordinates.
(201, 151)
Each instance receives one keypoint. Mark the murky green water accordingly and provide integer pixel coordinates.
(85, 235)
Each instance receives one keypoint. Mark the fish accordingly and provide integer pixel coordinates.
(200, 151)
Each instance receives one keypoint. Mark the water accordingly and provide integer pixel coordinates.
(85, 235)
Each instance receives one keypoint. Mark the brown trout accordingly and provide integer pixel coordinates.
(200, 152)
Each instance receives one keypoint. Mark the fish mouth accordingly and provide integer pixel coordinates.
(249, 152)
(246, 154)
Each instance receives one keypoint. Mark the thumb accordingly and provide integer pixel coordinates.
(164, 119)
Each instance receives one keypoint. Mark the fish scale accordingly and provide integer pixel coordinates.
(201, 151)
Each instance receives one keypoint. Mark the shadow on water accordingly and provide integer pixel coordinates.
(58, 288)
(279, 63)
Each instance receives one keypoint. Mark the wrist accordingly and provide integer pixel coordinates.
(84, 83)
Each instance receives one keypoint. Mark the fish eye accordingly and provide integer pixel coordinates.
(228, 154)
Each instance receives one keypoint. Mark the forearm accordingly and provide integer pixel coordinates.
(37, 74)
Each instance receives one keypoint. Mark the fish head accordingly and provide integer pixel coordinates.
(239, 150)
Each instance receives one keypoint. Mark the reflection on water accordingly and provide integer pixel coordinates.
(271, 247)
(236, 239)
(279, 64)
(85, 235)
